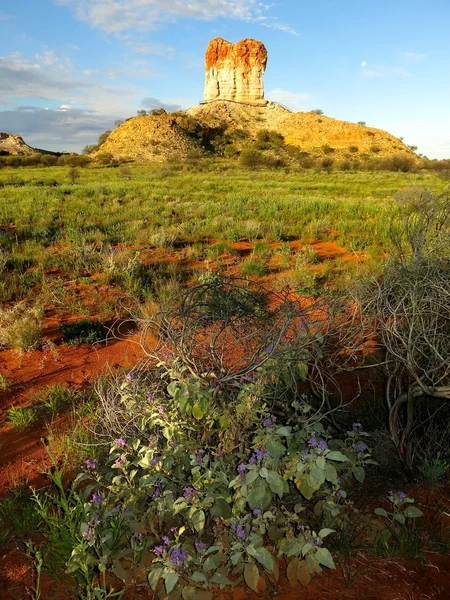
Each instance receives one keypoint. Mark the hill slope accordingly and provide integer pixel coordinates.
(175, 136)
(149, 138)
(313, 133)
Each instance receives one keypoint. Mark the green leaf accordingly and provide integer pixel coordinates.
(251, 477)
(325, 531)
(305, 489)
(275, 482)
(221, 508)
(336, 456)
(197, 411)
(320, 462)
(198, 520)
(260, 496)
(263, 556)
(359, 474)
(381, 512)
(171, 581)
(198, 577)
(220, 579)
(324, 557)
(412, 512)
(154, 576)
(318, 475)
(331, 474)
(284, 431)
(188, 593)
(275, 449)
(251, 576)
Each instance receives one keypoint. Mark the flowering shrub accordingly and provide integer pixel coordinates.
(212, 487)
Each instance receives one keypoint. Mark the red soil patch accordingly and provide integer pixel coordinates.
(22, 455)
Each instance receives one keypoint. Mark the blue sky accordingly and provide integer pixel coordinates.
(70, 68)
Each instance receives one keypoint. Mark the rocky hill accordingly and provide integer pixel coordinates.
(316, 134)
(149, 138)
(14, 144)
(235, 109)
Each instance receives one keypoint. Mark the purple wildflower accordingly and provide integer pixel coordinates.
(154, 461)
(241, 470)
(305, 453)
(252, 460)
(201, 546)
(166, 540)
(199, 456)
(161, 410)
(159, 550)
(260, 454)
(120, 460)
(269, 421)
(239, 531)
(179, 556)
(357, 426)
(137, 537)
(313, 442)
(270, 348)
(157, 493)
(322, 445)
(257, 512)
(120, 442)
(339, 494)
(189, 493)
(96, 498)
(130, 376)
(90, 465)
(152, 440)
(219, 452)
(361, 447)
(149, 396)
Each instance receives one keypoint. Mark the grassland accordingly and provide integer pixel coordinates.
(48, 222)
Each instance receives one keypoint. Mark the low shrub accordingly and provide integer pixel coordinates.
(205, 487)
(253, 267)
(83, 332)
(20, 417)
(20, 326)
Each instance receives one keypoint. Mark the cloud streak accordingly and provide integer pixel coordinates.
(124, 16)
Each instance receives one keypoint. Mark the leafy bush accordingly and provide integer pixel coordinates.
(83, 332)
(210, 475)
(250, 157)
(210, 487)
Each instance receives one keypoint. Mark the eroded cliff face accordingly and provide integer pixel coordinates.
(235, 71)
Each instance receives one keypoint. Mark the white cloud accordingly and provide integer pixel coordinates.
(371, 73)
(291, 100)
(118, 16)
(414, 56)
(384, 71)
(364, 64)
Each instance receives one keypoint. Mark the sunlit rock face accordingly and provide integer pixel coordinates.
(235, 71)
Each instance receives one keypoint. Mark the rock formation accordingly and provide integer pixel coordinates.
(234, 71)
(14, 144)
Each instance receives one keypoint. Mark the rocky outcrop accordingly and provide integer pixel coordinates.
(235, 71)
(14, 144)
